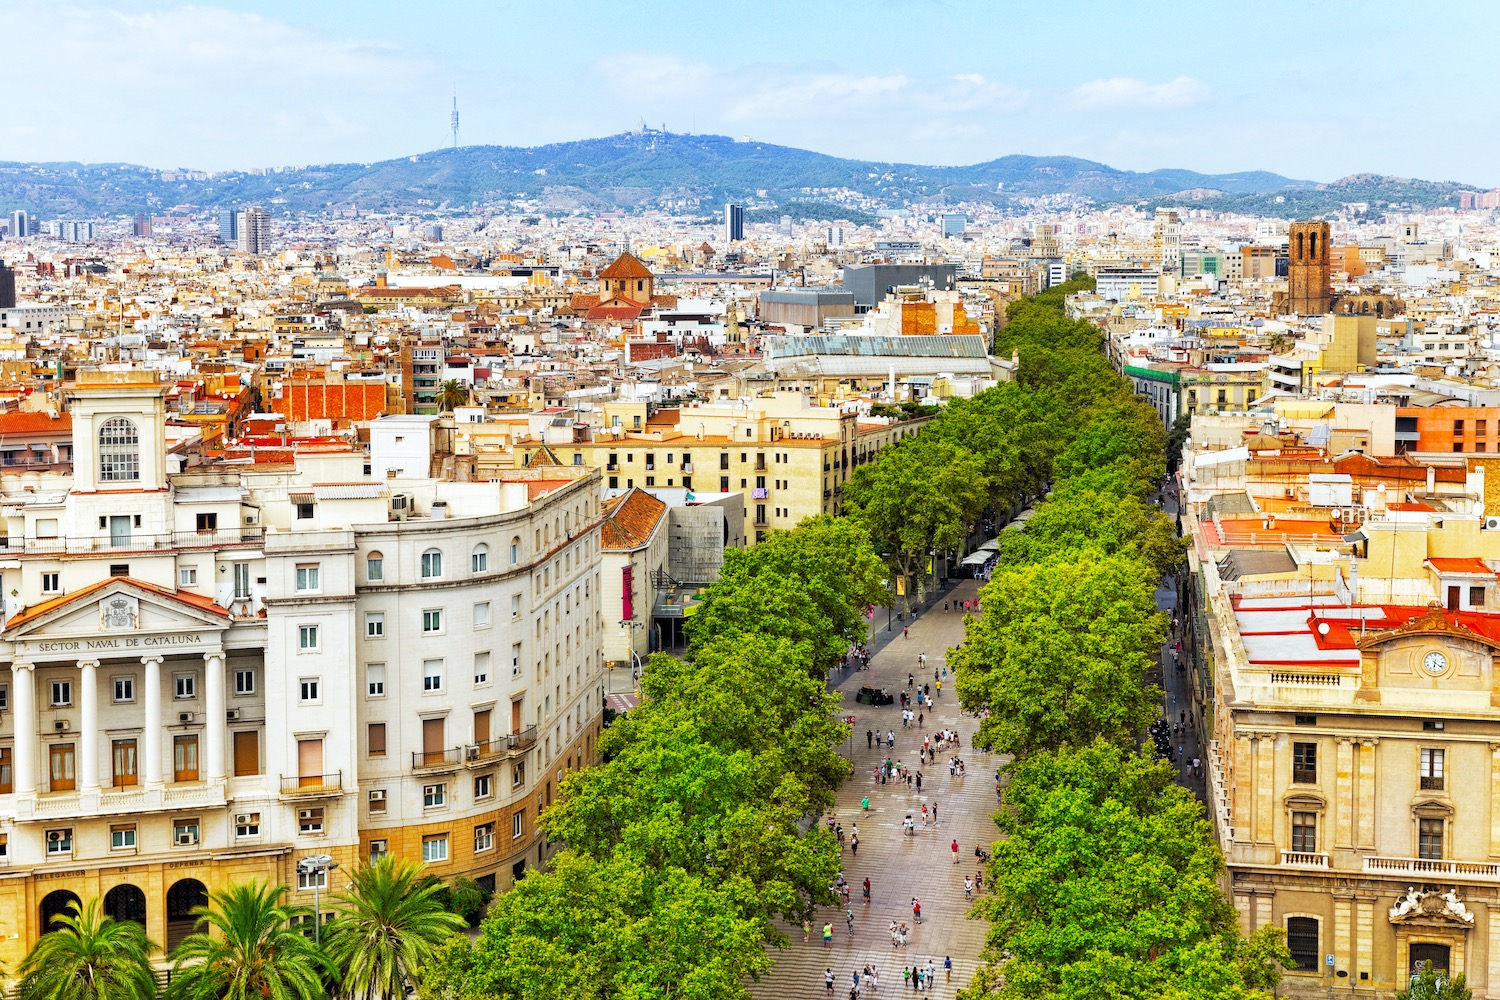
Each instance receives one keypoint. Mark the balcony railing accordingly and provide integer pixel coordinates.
(312, 785)
(1304, 859)
(1423, 866)
(1432, 784)
(135, 542)
(503, 746)
(436, 760)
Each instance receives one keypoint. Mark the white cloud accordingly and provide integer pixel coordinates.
(648, 74)
(1127, 93)
(818, 95)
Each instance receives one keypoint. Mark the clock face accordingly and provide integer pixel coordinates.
(1434, 663)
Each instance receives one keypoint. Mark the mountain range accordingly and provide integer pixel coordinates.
(685, 174)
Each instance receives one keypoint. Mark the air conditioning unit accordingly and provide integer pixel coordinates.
(184, 716)
(241, 819)
(232, 714)
(1492, 523)
(377, 795)
(186, 838)
(54, 836)
(303, 815)
(473, 753)
(61, 725)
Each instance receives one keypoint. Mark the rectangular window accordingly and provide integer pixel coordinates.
(515, 605)
(518, 774)
(244, 682)
(1430, 839)
(51, 583)
(376, 739)
(184, 686)
(241, 581)
(307, 578)
(432, 675)
(308, 689)
(374, 568)
(484, 837)
(122, 837)
(435, 847)
(310, 822)
(484, 786)
(187, 576)
(309, 880)
(377, 802)
(1305, 763)
(208, 522)
(515, 660)
(1432, 769)
(123, 763)
(1304, 833)
(482, 668)
(119, 569)
(185, 758)
(246, 752)
(482, 614)
(185, 832)
(1302, 942)
(304, 511)
(124, 690)
(1476, 597)
(432, 622)
(60, 841)
(479, 560)
(432, 564)
(1458, 426)
(307, 638)
(518, 824)
(62, 693)
(375, 680)
(378, 850)
(247, 825)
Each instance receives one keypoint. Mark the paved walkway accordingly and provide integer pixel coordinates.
(897, 866)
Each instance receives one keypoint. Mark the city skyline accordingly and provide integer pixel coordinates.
(240, 85)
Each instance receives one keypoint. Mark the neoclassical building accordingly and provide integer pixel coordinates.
(216, 672)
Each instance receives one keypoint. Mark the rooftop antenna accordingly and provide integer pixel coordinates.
(453, 118)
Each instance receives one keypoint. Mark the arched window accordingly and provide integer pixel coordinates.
(515, 550)
(479, 559)
(374, 567)
(432, 564)
(119, 451)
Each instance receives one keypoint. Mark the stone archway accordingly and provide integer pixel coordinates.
(126, 902)
(54, 904)
(182, 898)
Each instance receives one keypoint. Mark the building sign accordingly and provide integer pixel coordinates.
(120, 644)
(627, 594)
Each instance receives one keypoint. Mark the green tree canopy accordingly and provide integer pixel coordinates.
(89, 956)
(389, 924)
(247, 949)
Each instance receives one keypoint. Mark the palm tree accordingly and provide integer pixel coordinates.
(451, 394)
(247, 949)
(389, 925)
(89, 956)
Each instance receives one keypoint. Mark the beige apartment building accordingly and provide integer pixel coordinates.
(211, 674)
(1347, 678)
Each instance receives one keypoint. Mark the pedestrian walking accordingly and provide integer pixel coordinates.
(890, 739)
(955, 852)
(867, 892)
(854, 845)
(828, 935)
(895, 936)
(806, 931)
(869, 739)
(934, 813)
(979, 881)
(906, 632)
(916, 910)
(905, 976)
(919, 720)
(948, 968)
(939, 689)
(924, 814)
(849, 920)
(919, 782)
(828, 980)
(921, 659)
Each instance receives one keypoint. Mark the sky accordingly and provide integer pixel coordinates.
(1313, 89)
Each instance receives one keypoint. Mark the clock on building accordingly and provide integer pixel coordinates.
(1434, 663)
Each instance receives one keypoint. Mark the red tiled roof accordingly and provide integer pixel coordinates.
(627, 265)
(35, 423)
(630, 519)
(1444, 564)
(1412, 507)
(541, 487)
(614, 310)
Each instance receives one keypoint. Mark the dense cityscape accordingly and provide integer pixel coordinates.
(684, 565)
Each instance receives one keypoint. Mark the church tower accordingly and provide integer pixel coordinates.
(1308, 271)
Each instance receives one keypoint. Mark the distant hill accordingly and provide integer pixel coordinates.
(634, 171)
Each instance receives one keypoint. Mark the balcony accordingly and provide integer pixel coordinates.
(1432, 784)
(121, 801)
(514, 745)
(312, 786)
(1304, 859)
(135, 542)
(435, 761)
(1468, 870)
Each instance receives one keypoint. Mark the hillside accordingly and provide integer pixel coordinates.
(651, 170)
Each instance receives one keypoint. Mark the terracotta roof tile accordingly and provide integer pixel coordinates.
(630, 519)
(36, 611)
(627, 265)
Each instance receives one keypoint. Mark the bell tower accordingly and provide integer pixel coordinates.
(1308, 271)
(119, 431)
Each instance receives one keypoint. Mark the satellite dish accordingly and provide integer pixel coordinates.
(1322, 628)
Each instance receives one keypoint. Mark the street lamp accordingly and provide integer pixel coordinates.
(318, 866)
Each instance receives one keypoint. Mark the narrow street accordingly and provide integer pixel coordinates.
(898, 866)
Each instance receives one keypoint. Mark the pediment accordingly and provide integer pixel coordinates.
(117, 607)
(1432, 625)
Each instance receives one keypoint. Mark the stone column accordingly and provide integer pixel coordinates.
(213, 727)
(1265, 789)
(1492, 920)
(1364, 942)
(1343, 794)
(151, 757)
(88, 695)
(1495, 810)
(1365, 837)
(1242, 808)
(1343, 913)
(24, 675)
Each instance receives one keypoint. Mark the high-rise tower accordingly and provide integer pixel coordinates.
(453, 120)
(1308, 272)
